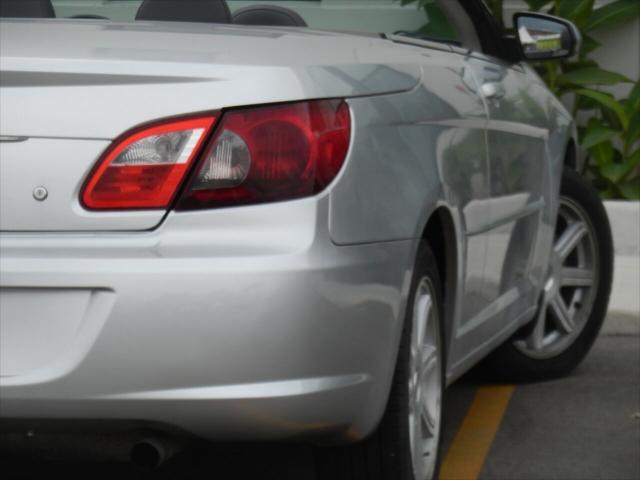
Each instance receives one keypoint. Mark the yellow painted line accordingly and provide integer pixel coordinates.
(470, 447)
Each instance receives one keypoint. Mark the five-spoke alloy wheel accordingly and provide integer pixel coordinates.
(569, 290)
(576, 291)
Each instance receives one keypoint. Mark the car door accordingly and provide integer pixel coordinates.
(457, 116)
(518, 170)
(515, 140)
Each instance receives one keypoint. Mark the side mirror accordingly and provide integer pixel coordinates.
(544, 37)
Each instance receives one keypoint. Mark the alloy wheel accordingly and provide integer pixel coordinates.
(425, 382)
(570, 287)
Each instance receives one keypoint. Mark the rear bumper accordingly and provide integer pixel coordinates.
(238, 324)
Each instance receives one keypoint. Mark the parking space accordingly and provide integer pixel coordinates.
(585, 427)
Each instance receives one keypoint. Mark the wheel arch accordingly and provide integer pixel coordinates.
(571, 154)
(573, 157)
(440, 233)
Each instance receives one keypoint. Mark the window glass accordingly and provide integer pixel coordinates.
(374, 16)
(116, 10)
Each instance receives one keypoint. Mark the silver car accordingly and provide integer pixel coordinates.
(220, 223)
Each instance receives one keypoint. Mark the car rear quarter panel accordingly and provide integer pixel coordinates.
(411, 152)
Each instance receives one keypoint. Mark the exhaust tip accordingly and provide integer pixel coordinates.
(147, 455)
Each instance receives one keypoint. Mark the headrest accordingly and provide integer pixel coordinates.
(268, 15)
(27, 9)
(203, 11)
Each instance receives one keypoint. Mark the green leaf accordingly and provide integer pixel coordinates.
(607, 101)
(536, 5)
(634, 159)
(633, 132)
(584, 103)
(589, 44)
(630, 190)
(603, 153)
(597, 134)
(592, 76)
(614, 172)
(612, 14)
(611, 118)
(570, 66)
(633, 101)
(578, 11)
(617, 172)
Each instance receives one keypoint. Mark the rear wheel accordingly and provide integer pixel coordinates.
(576, 292)
(406, 444)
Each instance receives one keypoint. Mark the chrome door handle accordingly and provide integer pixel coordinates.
(492, 90)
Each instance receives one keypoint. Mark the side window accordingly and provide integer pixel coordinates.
(435, 20)
(421, 19)
(459, 19)
(437, 26)
(116, 10)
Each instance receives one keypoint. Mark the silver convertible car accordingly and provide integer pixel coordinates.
(236, 222)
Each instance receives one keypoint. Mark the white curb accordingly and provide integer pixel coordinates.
(625, 226)
(624, 305)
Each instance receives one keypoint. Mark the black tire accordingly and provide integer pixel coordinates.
(508, 362)
(385, 454)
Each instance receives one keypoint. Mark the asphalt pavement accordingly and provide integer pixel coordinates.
(583, 427)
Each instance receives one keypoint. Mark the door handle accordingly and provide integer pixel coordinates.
(492, 90)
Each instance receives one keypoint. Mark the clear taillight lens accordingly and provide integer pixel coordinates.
(146, 167)
(271, 153)
(226, 163)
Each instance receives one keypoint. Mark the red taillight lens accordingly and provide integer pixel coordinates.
(146, 167)
(271, 153)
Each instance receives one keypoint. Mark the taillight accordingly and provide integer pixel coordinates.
(271, 153)
(256, 155)
(146, 167)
